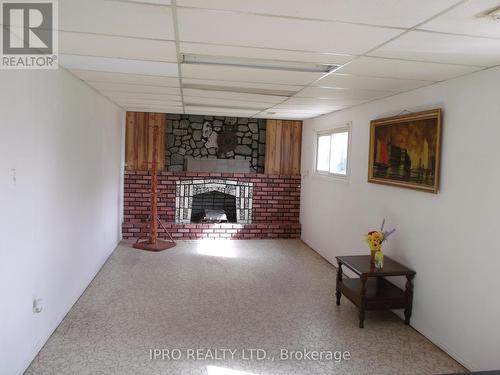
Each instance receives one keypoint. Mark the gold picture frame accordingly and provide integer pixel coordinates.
(405, 150)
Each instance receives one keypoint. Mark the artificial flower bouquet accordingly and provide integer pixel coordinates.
(374, 239)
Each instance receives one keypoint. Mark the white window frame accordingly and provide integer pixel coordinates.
(341, 128)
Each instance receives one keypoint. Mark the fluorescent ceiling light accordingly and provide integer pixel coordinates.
(188, 58)
(243, 90)
(224, 107)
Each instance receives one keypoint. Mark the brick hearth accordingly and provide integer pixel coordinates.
(275, 213)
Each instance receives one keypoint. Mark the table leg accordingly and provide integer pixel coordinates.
(361, 312)
(338, 294)
(409, 298)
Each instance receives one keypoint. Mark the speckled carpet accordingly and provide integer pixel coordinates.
(228, 308)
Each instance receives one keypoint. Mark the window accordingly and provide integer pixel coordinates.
(332, 148)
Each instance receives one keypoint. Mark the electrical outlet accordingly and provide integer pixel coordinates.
(37, 305)
(12, 177)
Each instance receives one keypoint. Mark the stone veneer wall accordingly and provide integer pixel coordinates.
(275, 207)
(196, 137)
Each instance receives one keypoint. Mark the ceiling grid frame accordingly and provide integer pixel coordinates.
(325, 103)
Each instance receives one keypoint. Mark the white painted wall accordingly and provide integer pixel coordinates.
(61, 221)
(450, 239)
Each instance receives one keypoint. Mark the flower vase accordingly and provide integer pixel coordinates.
(372, 257)
(379, 259)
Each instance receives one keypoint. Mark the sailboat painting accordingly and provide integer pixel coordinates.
(405, 150)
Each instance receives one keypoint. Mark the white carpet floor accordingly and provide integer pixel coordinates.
(235, 295)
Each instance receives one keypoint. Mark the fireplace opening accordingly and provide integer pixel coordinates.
(213, 207)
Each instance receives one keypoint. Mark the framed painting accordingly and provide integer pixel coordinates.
(405, 151)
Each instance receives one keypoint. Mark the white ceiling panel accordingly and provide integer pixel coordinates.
(121, 87)
(144, 104)
(286, 115)
(282, 33)
(126, 50)
(350, 81)
(264, 53)
(158, 2)
(234, 96)
(314, 103)
(381, 67)
(115, 46)
(154, 109)
(113, 65)
(196, 100)
(138, 99)
(132, 79)
(444, 48)
(149, 105)
(120, 95)
(282, 113)
(231, 73)
(467, 19)
(236, 84)
(335, 93)
(399, 13)
(291, 111)
(217, 111)
(116, 18)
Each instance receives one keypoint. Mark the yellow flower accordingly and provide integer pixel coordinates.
(379, 236)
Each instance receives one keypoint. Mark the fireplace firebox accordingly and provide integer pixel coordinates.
(193, 198)
(213, 207)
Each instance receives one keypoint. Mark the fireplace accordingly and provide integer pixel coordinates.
(194, 198)
(270, 204)
(213, 207)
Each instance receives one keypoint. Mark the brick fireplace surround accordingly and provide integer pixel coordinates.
(275, 207)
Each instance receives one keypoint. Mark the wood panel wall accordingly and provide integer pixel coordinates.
(283, 145)
(139, 141)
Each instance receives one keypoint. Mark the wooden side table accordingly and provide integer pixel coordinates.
(372, 291)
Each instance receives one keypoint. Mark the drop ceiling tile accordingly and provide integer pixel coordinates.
(248, 30)
(217, 111)
(294, 112)
(107, 64)
(335, 93)
(120, 95)
(467, 19)
(116, 18)
(133, 79)
(286, 115)
(349, 81)
(216, 102)
(236, 84)
(115, 46)
(121, 88)
(138, 103)
(304, 103)
(158, 2)
(173, 101)
(234, 96)
(444, 48)
(264, 53)
(231, 73)
(154, 109)
(391, 68)
(290, 109)
(398, 13)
